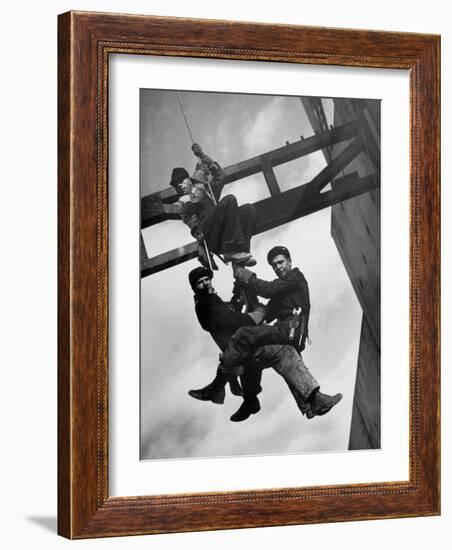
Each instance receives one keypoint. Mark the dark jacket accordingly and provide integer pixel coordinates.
(218, 318)
(285, 293)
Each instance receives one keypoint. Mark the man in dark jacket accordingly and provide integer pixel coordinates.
(221, 321)
(289, 305)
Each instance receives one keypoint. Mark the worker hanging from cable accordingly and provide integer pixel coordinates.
(219, 227)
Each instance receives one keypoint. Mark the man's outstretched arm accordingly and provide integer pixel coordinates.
(266, 289)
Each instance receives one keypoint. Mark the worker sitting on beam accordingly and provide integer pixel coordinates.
(224, 227)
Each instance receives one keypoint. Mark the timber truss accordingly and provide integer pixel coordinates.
(280, 207)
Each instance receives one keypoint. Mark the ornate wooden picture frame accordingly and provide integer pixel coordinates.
(86, 40)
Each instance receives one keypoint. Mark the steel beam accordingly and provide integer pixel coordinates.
(154, 210)
(143, 253)
(169, 259)
(293, 151)
(275, 211)
(270, 179)
(341, 161)
(371, 141)
(313, 108)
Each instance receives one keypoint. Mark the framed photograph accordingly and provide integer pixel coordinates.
(248, 275)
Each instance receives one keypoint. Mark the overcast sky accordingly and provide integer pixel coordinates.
(176, 353)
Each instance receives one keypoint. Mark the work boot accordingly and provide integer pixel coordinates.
(234, 386)
(322, 403)
(240, 258)
(250, 262)
(247, 408)
(211, 392)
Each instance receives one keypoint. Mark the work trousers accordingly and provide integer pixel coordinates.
(250, 381)
(228, 228)
(246, 339)
(288, 363)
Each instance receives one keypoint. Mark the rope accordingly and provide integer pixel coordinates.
(185, 118)
(193, 141)
(211, 192)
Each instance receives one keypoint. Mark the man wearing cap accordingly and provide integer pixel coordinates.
(289, 305)
(226, 228)
(216, 317)
(221, 321)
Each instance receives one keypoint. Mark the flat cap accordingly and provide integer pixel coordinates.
(276, 251)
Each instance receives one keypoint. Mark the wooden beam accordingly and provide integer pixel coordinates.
(157, 213)
(275, 211)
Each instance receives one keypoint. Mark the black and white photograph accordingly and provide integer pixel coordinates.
(225, 232)
(260, 274)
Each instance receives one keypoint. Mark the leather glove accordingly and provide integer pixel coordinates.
(196, 148)
(198, 234)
